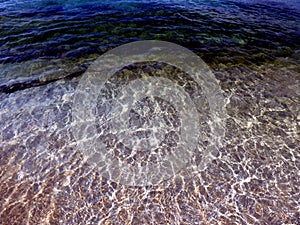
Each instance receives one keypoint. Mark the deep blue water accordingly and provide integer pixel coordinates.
(31, 29)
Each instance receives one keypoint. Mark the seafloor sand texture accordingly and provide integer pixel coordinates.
(254, 179)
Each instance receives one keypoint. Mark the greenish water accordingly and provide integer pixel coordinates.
(60, 38)
(67, 29)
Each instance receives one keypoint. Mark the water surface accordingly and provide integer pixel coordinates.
(252, 48)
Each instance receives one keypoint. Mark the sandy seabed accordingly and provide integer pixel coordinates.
(253, 179)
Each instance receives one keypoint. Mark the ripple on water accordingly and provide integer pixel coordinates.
(58, 32)
(254, 179)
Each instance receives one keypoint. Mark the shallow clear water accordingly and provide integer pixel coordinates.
(253, 49)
